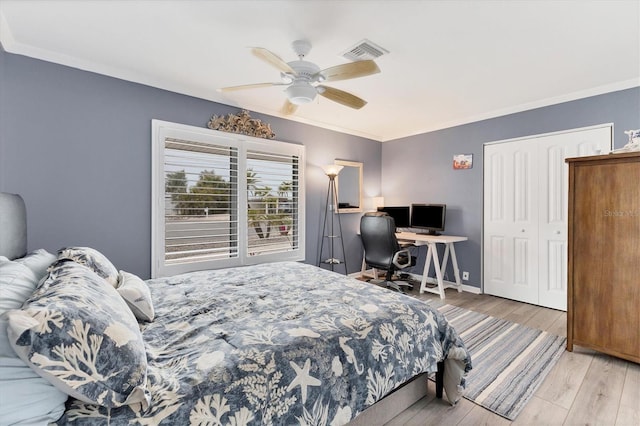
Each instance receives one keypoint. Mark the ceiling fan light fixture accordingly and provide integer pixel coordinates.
(301, 93)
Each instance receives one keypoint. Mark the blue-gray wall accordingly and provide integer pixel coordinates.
(77, 146)
(419, 169)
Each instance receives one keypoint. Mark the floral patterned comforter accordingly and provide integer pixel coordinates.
(281, 343)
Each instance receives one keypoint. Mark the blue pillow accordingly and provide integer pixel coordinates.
(79, 334)
(92, 259)
(27, 398)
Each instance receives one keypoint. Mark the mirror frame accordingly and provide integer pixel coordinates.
(359, 166)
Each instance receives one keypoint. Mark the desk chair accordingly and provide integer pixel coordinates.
(381, 248)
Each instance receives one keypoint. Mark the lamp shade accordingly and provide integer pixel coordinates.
(372, 204)
(378, 202)
(332, 169)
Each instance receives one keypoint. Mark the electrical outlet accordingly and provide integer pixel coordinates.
(465, 275)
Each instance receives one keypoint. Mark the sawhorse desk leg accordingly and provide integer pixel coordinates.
(454, 264)
(432, 255)
(456, 270)
(364, 272)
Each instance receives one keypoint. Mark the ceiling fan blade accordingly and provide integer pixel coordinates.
(350, 70)
(341, 97)
(272, 59)
(249, 86)
(288, 108)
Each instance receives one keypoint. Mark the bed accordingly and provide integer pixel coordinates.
(279, 343)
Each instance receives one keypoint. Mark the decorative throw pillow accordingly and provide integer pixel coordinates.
(27, 398)
(38, 261)
(137, 295)
(92, 259)
(80, 335)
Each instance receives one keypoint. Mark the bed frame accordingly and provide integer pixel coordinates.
(399, 400)
(13, 244)
(13, 226)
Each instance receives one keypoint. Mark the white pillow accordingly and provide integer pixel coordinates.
(27, 398)
(17, 283)
(38, 261)
(137, 295)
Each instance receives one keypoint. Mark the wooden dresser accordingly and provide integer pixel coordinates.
(603, 309)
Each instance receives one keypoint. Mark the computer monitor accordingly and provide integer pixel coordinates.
(429, 217)
(399, 214)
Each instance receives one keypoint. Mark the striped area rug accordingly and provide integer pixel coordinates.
(510, 360)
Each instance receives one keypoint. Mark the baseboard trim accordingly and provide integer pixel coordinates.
(471, 289)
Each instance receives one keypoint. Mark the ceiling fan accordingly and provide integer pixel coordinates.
(302, 78)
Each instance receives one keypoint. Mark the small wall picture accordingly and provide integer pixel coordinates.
(462, 161)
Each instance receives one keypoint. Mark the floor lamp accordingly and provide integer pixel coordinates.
(329, 232)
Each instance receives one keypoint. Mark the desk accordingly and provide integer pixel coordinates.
(432, 255)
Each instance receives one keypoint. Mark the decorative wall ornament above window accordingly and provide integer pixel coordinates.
(241, 123)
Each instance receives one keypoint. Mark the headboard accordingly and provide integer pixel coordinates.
(13, 226)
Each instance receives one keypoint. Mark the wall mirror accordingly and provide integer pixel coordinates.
(349, 186)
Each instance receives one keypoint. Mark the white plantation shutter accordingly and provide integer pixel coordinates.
(272, 196)
(200, 224)
(222, 200)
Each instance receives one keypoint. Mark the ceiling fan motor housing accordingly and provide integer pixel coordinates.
(301, 91)
(304, 69)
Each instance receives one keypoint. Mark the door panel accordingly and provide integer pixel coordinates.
(510, 222)
(554, 180)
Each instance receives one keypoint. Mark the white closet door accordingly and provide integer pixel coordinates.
(525, 214)
(553, 181)
(511, 221)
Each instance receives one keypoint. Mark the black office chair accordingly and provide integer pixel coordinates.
(381, 248)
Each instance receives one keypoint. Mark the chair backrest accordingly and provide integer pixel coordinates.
(378, 233)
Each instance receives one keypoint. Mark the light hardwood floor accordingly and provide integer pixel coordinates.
(584, 388)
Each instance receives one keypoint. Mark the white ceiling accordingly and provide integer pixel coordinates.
(450, 62)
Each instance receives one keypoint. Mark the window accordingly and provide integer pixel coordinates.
(221, 199)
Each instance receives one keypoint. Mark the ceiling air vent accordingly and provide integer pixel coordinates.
(364, 50)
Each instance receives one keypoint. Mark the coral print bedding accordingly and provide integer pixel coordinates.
(270, 344)
(282, 343)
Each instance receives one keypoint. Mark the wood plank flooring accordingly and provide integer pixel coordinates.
(584, 388)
